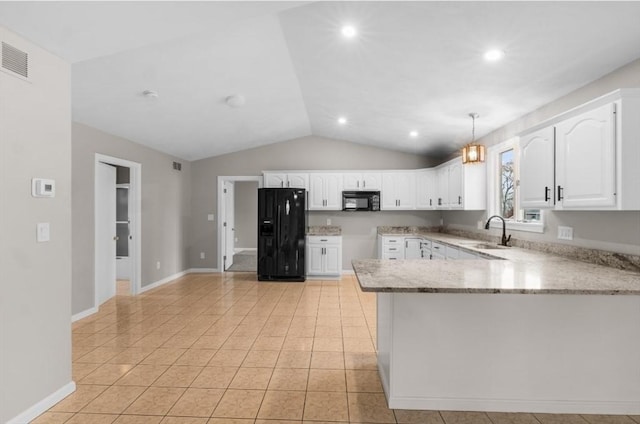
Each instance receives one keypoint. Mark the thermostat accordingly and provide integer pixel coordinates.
(41, 187)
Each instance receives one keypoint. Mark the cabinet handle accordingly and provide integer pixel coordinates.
(406, 244)
(560, 193)
(546, 193)
(323, 239)
(439, 201)
(430, 202)
(364, 184)
(459, 200)
(358, 184)
(281, 183)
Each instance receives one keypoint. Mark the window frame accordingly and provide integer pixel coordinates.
(494, 190)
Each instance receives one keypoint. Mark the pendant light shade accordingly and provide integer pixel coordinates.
(472, 152)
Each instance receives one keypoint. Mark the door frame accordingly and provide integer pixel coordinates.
(222, 207)
(135, 226)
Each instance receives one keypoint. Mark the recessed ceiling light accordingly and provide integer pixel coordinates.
(150, 94)
(342, 120)
(349, 31)
(494, 55)
(235, 100)
(413, 134)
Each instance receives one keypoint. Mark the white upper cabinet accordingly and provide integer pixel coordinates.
(461, 186)
(456, 184)
(585, 160)
(426, 193)
(325, 191)
(398, 190)
(537, 168)
(362, 181)
(286, 179)
(597, 150)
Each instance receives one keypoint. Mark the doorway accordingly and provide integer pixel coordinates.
(117, 213)
(237, 226)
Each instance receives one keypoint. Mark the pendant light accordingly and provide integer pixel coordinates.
(472, 152)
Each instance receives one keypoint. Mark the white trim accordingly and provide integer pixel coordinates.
(506, 405)
(244, 249)
(221, 209)
(163, 281)
(135, 196)
(42, 406)
(84, 314)
(202, 270)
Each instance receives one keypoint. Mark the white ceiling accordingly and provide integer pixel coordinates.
(413, 66)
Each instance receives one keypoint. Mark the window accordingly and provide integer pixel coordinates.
(502, 175)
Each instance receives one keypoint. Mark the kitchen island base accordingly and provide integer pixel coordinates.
(510, 352)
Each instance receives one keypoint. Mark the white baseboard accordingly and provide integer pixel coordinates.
(202, 270)
(163, 281)
(348, 272)
(44, 404)
(84, 314)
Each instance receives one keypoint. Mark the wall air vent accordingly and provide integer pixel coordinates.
(177, 166)
(15, 60)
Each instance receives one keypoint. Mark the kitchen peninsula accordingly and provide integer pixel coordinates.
(522, 332)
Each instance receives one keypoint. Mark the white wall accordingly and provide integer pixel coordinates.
(166, 205)
(612, 231)
(35, 290)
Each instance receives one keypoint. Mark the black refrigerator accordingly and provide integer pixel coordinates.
(282, 222)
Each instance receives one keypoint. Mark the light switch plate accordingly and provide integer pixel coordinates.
(210, 217)
(565, 233)
(42, 232)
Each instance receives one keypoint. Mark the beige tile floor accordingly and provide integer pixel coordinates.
(226, 349)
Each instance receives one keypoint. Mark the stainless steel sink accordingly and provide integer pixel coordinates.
(487, 246)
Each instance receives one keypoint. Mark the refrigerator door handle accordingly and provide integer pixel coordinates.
(287, 207)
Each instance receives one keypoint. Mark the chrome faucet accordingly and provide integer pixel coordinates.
(505, 239)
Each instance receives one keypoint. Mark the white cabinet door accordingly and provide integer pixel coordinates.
(398, 190)
(316, 192)
(443, 187)
(406, 190)
(537, 169)
(332, 260)
(333, 191)
(456, 199)
(314, 259)
(325, 191)
(298, 181)
(371, 181)
(275, 180)
(585, 154)
(412, 248)
(388, 192)
(351, 181)
(426, 196)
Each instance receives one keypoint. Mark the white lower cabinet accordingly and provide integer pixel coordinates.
(324, 256)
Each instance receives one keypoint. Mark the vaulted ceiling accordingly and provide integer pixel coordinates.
(412, 66)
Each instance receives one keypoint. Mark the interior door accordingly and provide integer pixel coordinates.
(105, 232)
(229, 236)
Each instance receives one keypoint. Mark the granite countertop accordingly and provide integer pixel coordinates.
(324, 230)
(512, 270)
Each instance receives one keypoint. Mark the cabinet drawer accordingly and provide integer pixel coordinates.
(392, 255)
(324, 240)
(439, 249)
(392, 248)
(393, 240)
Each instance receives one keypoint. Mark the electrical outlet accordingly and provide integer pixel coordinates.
(328, 221)
(201, 255)
(480, 225)
(565, 233)
(210, 217)
(158, 265)
(42, 233)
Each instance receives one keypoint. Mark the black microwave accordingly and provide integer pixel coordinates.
(360, 200)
